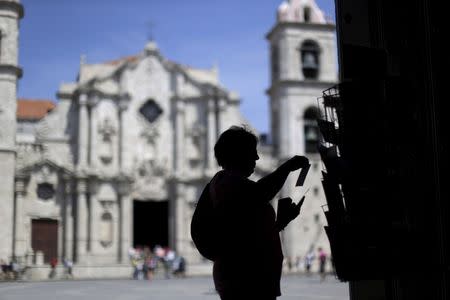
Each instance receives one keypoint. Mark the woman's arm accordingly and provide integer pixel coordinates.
(271, 184)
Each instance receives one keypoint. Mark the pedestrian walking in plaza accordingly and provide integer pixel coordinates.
(159, 252)
(322, 263)
(68, 265)
(135, 264)
(309, 258)
(15, 268)
(4, 270)
(145, 268)
(168, 259)
(151, 263)
(179, 267)
(243, 216)
(53, 264)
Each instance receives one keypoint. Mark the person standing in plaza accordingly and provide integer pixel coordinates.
(53, 264)
(245, 217)
(68, 265)
(179, 266)
(150, 262)
(322, 263)
(309, 258)
(169, 257)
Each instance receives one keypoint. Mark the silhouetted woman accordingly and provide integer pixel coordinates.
(249, 262)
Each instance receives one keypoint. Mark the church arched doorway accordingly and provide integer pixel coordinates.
(150, 223)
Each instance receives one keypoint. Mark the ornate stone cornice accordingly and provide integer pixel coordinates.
(211, 105)
(214, 91)
(20, 185)
(222, 105)
(124, 184)
(14, 70)
(7, 150)
(87, 183)
(300, 83)
(69, 187)
(123, 101)
(64, 95)
(93, 99)
(83, 99)
(26, 170)
(312, 26)
(16, 6)
(90, 96)
(82, 185)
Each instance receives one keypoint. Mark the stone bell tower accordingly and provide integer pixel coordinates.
(302, 65)
(11, 11)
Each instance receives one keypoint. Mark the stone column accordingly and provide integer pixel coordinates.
(119, 228)
(179, 219)
(83, 132)
(122, 106)
(222, 111)
(173, 196)
(10, 14)
(127, 226)
(20, 245)
(92, 215)
(91, 103)
(211, 134)
(125, 221)
(68, 220)
(180, 158)
(82, 221)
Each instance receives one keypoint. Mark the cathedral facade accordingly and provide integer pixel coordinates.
(122, 158)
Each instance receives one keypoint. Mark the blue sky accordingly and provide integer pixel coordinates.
(200, 33)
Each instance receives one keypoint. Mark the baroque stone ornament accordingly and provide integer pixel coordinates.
(197, 134)
(151, 133)
(107, 131)
(150, 179)
(106, 229)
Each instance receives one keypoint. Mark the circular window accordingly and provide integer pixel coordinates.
(150, 111)
(45, 191)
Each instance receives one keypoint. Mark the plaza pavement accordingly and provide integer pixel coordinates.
(294, 287)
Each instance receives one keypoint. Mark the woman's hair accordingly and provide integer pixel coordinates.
(233, 144)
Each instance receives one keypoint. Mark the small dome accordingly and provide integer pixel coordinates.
(300, 11)
(284, 6)
(283, 11)
(151, 46)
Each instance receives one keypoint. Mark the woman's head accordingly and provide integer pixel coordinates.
(236, 150)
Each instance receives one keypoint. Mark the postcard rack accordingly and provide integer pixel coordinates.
(352, 240)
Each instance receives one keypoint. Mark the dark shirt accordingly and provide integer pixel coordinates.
(250, 256)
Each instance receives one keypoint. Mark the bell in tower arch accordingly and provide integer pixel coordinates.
(310, 61)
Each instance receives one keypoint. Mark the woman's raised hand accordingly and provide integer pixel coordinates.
(296, 162)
